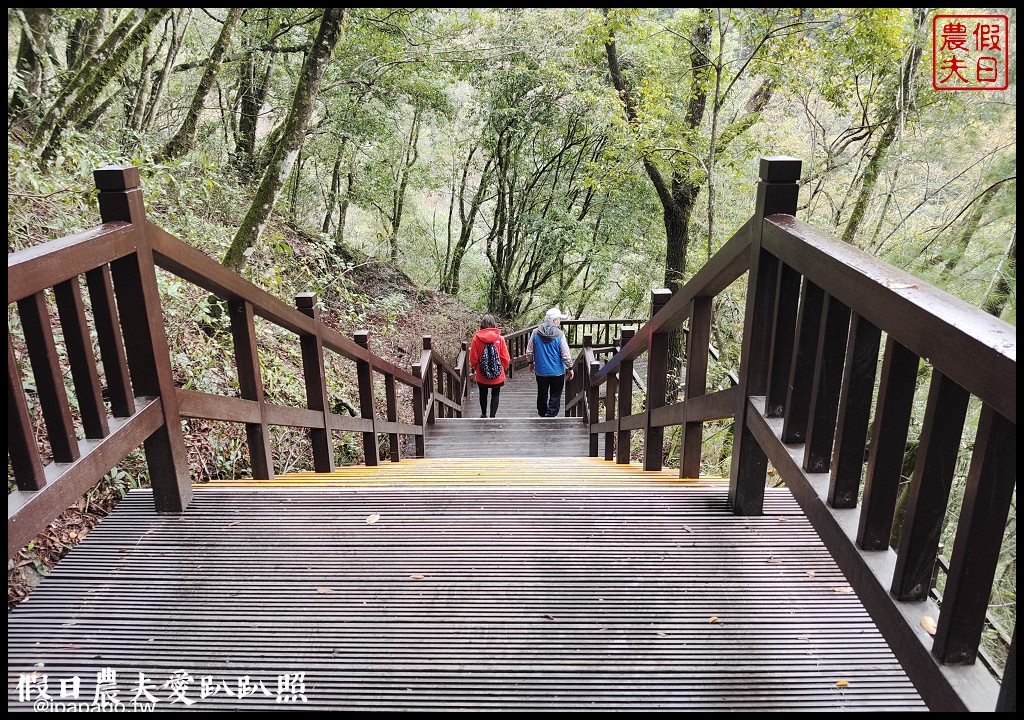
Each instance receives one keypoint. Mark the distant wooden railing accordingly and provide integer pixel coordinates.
(118, 260)
(816, 310)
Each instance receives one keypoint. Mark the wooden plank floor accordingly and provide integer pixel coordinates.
(648, 595)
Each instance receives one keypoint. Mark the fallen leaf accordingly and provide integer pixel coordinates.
(236, 522)
(843, 589)
(372, 518)
(842, 683)
(549, 617)
(811, 573)
(416, 577)
(687, 528)
(898, 285)
(323, 591)
(714, 618)
(928, 623)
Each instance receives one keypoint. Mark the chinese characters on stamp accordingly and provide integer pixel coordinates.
(970, 52)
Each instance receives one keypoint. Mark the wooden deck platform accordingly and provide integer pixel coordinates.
(605, 588)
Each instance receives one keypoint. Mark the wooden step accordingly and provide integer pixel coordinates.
(507, 437)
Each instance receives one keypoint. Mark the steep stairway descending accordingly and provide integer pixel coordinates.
(426, 585)
(507, 437)
(516, 431)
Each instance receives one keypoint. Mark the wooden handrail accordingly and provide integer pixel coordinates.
(119, 259)
(816, 310)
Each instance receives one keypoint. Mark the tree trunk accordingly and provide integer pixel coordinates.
(1001, 290)
(293, 196)
(156, 96)
(346, 200)
(973, 221)
(398, 200)
(30, 66)
(332, 196)
(133, 111)
(294, 134)
(450, 281)
(902, 102)
(185, 139)
(86, 39)
(83, 76)
(252, 97)
(78, 108)
(679, 200)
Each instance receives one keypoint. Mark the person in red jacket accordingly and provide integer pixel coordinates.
(489, 333)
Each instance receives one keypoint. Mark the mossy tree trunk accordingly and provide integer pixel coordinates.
(252, 93)
(1003, 286)
(82, 104)
(32, 61)
(306, 91)
(185, 139)
(903, 99)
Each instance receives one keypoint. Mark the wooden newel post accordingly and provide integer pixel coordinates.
(697, 341)
(145, 339)
(657, 372)
(593, 408)
(364, 372)
(428, 383)
(611, 389)
(464, 378)
(417, 409)
(316, 384)
(391, 393)
(777, 193)
(622, 443)
(250, 384)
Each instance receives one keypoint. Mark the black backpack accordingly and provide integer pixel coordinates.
(490, 363)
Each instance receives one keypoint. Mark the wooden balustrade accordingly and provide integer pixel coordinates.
(816, 313)
(118, 260)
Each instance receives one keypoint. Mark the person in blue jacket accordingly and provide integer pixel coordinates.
(549, 357)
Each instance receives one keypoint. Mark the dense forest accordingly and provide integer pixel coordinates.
(416, 167)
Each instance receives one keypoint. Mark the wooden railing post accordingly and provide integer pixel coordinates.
(49, 377)
(858, 385)
(417, 409)
(391, 393)
(991, 482)
(611, 390)
(316, 384)
(78, 343)
(657, 371)
(427, 362)
(364, 372)
(250, 384)
(21, 440)
(777, 192)
(593, 405)
(697, 342)
(463, 379)
(145, 339)
(827, 382)
(930, 485)
(888, 444)
(622, 443)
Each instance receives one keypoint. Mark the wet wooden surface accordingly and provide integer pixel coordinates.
(597, 588)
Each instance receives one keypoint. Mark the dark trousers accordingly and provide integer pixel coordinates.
(495, 394)
(549, 394)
